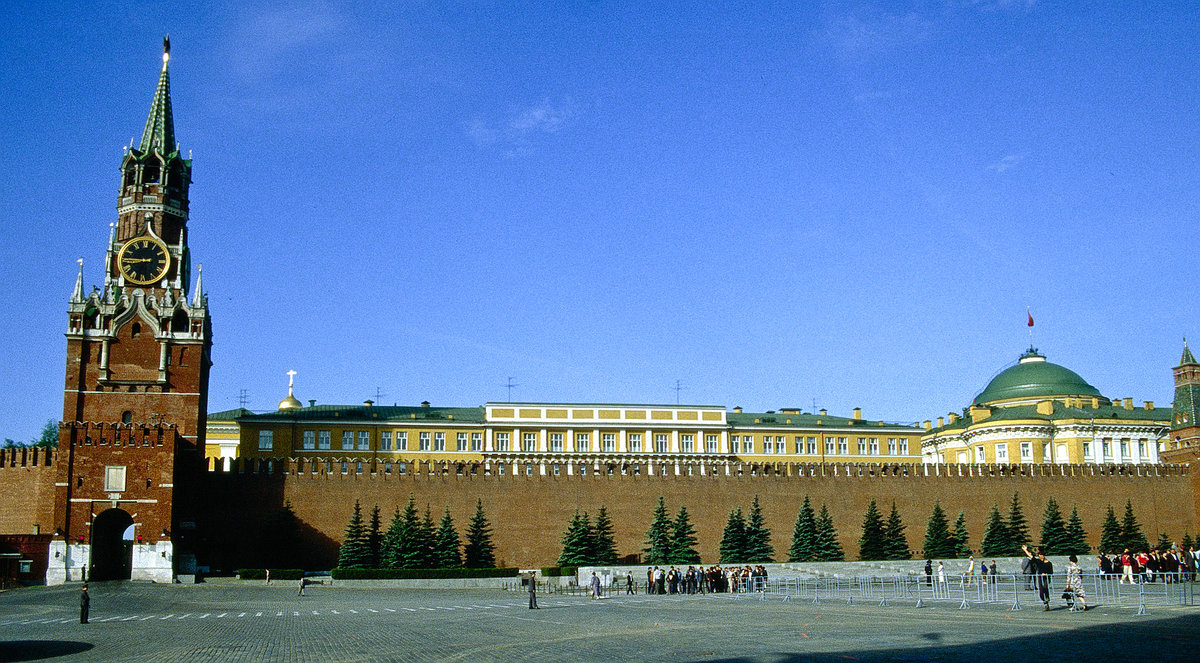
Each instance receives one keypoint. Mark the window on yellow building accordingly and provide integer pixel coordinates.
(660, 443)
(734, 444)
(688, 442)
(830, 447)
(501, 444)
(903, 447)
(385, 440)
(892, 446)
(582, 441)
(635, 442)
(529, 442)
(308, 439)
(873, 446)
(347, 439)
(423, 441)
(439, 441)
(266, 440)
(862, 446)
(323, 439)
(460, 442)
(711, 444)
(364, 440)
(609, 441)
(476, 441)
(402, 440)
(843, 446)
(556, 443)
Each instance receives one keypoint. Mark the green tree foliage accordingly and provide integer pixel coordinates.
(658, 536)
(411, 547)
(872, 545)
(1186, 543)
(996, 542)
(733, 539)
(939, 543)
(683, 539)
(389, 553)
(1054, 530)
(895, 542)
(354, 553)
(604, 544)
(577, 541)
(1076, 541)
(1111, 539)
(758, 536)
(49, 435)
(446, 545)
(962, 538)
(804, 535)
(828, 548)
(375, 539)
(1018, 528)
(428, 536)
(1131, 531)
(479, 553)
(1164, 543)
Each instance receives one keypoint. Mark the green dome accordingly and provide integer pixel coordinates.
(1032, 377)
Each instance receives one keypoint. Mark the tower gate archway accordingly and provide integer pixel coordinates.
(112, 553)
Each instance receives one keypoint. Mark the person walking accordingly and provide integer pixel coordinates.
(1042, 570)
(1075, 583)
(594, 585)
(85, 603)
(533, 590)
(303, 582)
(629, 583)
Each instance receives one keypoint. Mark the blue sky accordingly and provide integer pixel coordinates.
(846, 203)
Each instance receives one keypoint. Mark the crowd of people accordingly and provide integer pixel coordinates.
(1151, 566)
(699, 580)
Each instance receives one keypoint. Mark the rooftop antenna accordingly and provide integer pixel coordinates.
(510, 386)
(814, 406)
(379, 395)
(678, 388)
(243, 398)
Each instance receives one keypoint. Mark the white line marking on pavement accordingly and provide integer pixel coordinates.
(354, 611)
(389, 610)
(258, 614)
(205, 615)
(145, 618)
(335, 612)
(222, 615)
(129, 619)
(411, 609)
(315, 612)
(279, 614)
(372, 610)
(242, 615)
(295, 614)
(167, 617)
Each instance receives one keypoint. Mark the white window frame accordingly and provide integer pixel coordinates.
(476, 441)
(1002, 452)
(424, 441)
(609, 442)
(635, 442)
(266, 440)
(529, 442)
(385, 440)
(830, 446)
(660, 443)
(324, 439)
(687, 443)
(114, 478)
(843, 446)
(502, 444)
(862, 446)
(712, 444)
(460, 442)
(347, 439)
(903, 446)
(308, 439)
(1026, 451)
(556, 443)
(873, 446)
(583, 442)
(439, 441)
(364, 440)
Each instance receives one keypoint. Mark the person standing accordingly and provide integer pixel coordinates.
(594, 584)
(941, 579)
(1075, 582)
(1042, 570)
(629, 583)
(303, 582)
(929, 573)
(971, 570)
(533, 590)
(85, 603)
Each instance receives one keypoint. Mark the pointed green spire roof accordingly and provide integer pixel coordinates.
(1188, 358)
(159, 135)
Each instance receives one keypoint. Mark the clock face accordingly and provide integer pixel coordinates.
(143, 260)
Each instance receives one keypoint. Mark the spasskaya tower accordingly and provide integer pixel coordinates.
(131, 439)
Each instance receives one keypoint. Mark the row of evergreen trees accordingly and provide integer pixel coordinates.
(586, 543)
(814, 538)
(413, 542)
(669, 541)
(746, 540)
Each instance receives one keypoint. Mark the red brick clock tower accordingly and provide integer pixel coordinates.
(131, 440)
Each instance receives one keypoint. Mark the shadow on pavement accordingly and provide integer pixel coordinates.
(38, 650)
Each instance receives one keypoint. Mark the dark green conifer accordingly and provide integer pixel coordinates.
(939, 543)
(375, 538)
(479, 553)
(1076, 536)
(1111, 539)
(895, 541)
(577, 542)
(828, 548)
(733, 539)
(1131, 531)
(1164, 543)
(804, 535)
(354, 553)
(389, 555)
(996, 542)
(658, 536)
(446, 545)
(962, 538)
(1017, 527)
(428, 538)
(1054, 530)
(683, 539)
(1186, 543)
(758, 536)
(411, 549)
(604, 545)
(872, 545)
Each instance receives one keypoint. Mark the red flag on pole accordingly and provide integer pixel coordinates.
(1030, 323)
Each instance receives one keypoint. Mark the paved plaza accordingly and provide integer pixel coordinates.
(143, 622)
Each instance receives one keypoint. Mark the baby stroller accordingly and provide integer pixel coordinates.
(1069, 597)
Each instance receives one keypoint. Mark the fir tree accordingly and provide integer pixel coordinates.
(389, 555)
(804, 535)
(758, 537)
(445, 546)
(1111, 540)
(996, 542)
(733, 539)
(1164, 543)
(354, 553)
(658, 537)
(962, 538)
(410, 546)
(1131, 531)
(577, 542)
(827, 547)
(604, 545)
(375, 538)
(1054, 530)
(479, 552)
(428, 536)
(1018, 529)
(683, 539)
(895, 542)
(1186, 543)
(873, 543)
(939, 543)
(1076, 540)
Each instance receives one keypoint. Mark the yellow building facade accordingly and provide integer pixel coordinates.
(1040, 412)
(568, 438)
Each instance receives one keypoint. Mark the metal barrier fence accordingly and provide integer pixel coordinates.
(1014, 591)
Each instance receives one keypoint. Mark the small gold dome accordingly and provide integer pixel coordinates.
(291, 402)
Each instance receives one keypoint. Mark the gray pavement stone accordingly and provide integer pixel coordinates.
(143, 622)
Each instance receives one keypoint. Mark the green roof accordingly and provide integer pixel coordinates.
(805, 420)
(1188, 358)
(472, 415)
(1035, 377)
(228, 415)
(1061, 412)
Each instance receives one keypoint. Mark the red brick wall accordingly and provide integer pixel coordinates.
(27, 482)
(529, 514)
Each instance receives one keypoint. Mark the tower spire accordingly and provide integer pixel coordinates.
(159, 134)
(77, 296)
(1188, 358)
(198, 295)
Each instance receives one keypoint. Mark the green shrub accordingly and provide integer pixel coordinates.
(556, 571)
(276, 574)
(410, 574)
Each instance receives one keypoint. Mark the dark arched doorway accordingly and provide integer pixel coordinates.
(112, 553)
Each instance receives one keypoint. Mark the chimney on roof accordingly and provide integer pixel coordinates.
(928, 424)
(737, 409)
(1128, 402)
(368, 402)
(1095, 403)
(424, 403)
(858, 413)
(312, 402)
(824, 412)
(941, 422)
(1149, 405)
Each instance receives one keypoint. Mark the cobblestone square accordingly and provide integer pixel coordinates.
(144, 622)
